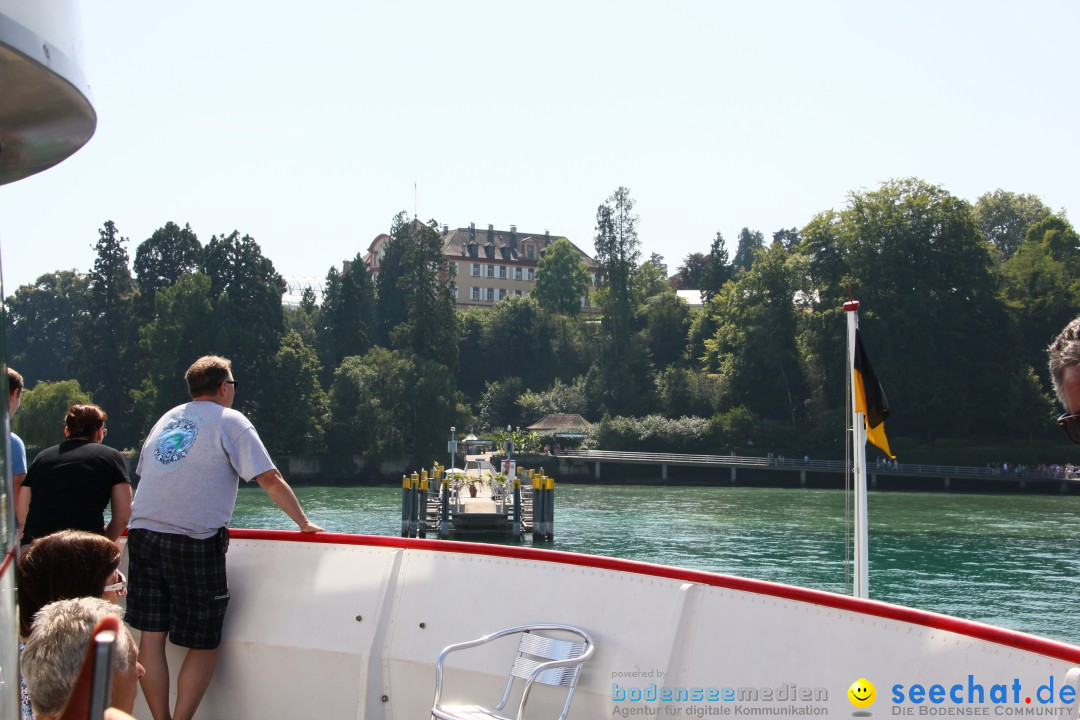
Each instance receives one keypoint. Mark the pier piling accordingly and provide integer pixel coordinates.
(406, 504)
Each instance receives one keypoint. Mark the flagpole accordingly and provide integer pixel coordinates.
(861, 584)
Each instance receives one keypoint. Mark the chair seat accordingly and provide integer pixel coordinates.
(467, 712)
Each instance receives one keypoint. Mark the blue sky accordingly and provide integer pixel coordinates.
(309, 128)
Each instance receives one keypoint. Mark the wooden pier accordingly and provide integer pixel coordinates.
(456, 504)
(590, 466)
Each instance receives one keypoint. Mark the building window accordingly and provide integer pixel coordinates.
(518, 293)
(517, 273)
(491, 271)
(476, 269)
(502, 293)
(502, 271)
(531, 275)
(476, 293)
(530, 251)
(491, 294)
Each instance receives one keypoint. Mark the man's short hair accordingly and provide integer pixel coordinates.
(57, 645)
(1064, 352)
(14, 381)
(206, 373)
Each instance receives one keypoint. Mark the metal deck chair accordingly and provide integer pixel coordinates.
(540, 658)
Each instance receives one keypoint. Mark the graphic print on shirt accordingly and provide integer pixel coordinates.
(175, 441)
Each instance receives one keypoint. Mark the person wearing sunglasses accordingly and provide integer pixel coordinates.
(1065, 373)
(63, 565)
(189, 471)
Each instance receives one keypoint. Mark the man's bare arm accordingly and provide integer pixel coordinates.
(284, 497)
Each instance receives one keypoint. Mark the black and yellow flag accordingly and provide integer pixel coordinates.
(870, 398)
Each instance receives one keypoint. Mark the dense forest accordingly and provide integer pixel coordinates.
(959, 303)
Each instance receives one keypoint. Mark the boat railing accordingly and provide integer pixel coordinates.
(881, 466)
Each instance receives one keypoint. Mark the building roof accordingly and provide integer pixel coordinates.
(506, 245)
(554, 422)
(694, 298)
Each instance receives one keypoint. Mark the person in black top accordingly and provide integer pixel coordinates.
(68, 485)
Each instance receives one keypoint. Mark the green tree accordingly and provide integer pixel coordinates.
(183, 330)
(717, 271)
(754, 349)
(392, 402)
(415, 289)
(667, 323)
(42, 321)
(249, 320)
(789, 238)
(305, 318)
(559, 398)
(162, 259)
(40, 420)
(499, 404)
(562, 279)
(520, 343)
(1005, 217)
(105, 348)
(931, 314)
(682, 392)
(474, 349)
(690, 273)
(649, 279)
(302, 412)
(348, 313)
(1041, 298)
(617, 250)
(1060, 240)
(750, 241)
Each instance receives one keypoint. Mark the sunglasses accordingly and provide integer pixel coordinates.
(1070, 423)
(120, 588)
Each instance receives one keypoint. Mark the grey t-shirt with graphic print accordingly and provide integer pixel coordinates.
(190, 467)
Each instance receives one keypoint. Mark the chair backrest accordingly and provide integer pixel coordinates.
(534, 649)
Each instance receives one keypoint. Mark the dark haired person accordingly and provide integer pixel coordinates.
(18, 448)
(66, 564)
(69, 485)
(1065, 372)
(189, 472)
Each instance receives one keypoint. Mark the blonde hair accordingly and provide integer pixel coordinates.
(1064, 352)
(57, 645)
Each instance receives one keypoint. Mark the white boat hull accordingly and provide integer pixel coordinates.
(350, 626)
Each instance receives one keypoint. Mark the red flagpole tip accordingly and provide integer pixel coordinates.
(851, 306)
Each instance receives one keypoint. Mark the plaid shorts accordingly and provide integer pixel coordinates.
(177, 584)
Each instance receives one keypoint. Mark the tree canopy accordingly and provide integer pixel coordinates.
(959, 302)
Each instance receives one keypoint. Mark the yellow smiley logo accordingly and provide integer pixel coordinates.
(862, 693)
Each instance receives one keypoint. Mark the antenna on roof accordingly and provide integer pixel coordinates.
(414, 201)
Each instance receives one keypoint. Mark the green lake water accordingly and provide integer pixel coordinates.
(1009, 560)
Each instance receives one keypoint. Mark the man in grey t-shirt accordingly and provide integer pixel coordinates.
(189, 473)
